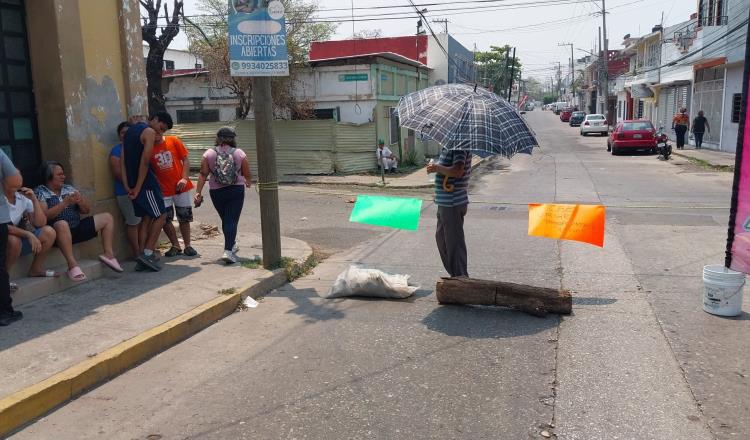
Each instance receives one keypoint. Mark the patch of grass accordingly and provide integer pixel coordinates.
(410, 159)
(255, 263)
(229, 291)
(710, 166)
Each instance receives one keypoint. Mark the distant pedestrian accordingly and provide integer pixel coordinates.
(132, 221)
(680, 125)
(453, 170)
(171, 163)
(699, 128)
(386, 159)
(228, 173)
(141, 184)
(8, 176)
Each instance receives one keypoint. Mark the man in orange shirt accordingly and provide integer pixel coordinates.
(171, 165)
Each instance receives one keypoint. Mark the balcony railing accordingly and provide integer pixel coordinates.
(714, 20)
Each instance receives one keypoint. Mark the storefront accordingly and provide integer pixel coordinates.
(708, 95)
(671, 99)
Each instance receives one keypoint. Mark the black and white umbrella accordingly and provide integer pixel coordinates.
(464, 117)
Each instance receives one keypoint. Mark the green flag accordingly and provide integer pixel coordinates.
(391, 212)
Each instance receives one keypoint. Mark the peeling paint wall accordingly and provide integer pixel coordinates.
(88, 75)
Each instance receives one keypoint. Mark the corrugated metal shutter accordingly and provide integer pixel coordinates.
(355, 147)
(302, 147)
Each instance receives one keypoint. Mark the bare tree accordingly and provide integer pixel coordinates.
(157, 45)
(368, 33)
(208, 39)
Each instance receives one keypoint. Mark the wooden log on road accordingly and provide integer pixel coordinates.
(537, 301)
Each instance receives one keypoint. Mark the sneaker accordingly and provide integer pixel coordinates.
(8, 317)
(172, 252)
(235, 248)
(229, 257)
(190, 252)
(149, 262)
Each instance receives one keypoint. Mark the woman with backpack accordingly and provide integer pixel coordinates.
(228, 173)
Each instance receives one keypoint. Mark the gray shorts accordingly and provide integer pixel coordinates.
(127, 210)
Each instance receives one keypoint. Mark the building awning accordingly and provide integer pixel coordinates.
(713, 62)
(641, 91)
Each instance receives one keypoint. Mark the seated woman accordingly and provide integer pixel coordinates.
(36, 238)
(64, 205)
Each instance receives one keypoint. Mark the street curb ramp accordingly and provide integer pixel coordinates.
(26, 405)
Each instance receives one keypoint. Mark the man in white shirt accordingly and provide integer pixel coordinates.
(385, 157)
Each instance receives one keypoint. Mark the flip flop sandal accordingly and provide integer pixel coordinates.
(112, 263)
(76, 274)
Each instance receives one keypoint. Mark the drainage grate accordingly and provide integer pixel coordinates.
(496, 208)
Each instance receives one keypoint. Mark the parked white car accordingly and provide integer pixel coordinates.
(594, 123)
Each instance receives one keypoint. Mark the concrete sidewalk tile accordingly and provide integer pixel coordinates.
(36, 399)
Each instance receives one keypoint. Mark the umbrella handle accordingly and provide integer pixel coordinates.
(447, 186)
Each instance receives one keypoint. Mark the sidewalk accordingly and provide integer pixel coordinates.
(412, 179)
(719, 159)
(71, 341)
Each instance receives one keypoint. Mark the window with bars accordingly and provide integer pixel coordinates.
(19, 137)
(736, 107)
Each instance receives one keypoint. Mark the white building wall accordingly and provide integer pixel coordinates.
(182, 58)
(729, 129)
(437, 60)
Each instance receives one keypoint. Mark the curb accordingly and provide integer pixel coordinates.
(711, 164)
(374, 185)
(24, 406)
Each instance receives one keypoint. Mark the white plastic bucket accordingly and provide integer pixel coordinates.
(722, 290)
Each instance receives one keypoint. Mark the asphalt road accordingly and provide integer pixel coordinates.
(638, 359)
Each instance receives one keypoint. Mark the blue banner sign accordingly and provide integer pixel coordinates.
(257, 38)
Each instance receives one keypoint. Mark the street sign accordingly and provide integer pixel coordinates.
(346, 77)
(257, 39)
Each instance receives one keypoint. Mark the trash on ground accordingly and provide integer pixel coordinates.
(357, 281)
(250, 302)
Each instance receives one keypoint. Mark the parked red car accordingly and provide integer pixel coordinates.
(632, 135)
(565, 114)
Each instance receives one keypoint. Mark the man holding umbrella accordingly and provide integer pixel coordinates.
(465, 120)
(453, 170)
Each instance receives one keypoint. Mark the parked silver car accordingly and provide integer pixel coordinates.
(594, 123)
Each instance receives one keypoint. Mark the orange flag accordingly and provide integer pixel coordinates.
(568, 222)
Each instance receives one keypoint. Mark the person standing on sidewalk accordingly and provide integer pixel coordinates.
(699, 128)
(8, 176)
(228, 173)
(453, 170)
(123, 201)
(171, 163)
(141, 184)
(680, 125)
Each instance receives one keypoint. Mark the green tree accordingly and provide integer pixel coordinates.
(207, 35)
(494, 72)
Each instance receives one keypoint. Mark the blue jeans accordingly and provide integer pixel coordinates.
(228, 202)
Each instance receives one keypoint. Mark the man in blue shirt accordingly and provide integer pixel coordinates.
(141, 185)
(453, 169)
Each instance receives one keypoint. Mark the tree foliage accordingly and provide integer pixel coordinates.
(157, 45)
(207, 35)
(493, 70)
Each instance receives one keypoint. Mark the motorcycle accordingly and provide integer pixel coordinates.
(662, 144)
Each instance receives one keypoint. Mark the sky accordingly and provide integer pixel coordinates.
(534, 27)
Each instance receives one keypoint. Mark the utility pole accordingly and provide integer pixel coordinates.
(268, 186)
(606, 62)
(559, 80)
(501, 92)
(444, 22)
(572, 70)
(512, 72)
(600, 76)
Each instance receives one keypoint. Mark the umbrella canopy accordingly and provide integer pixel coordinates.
(464, 117)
